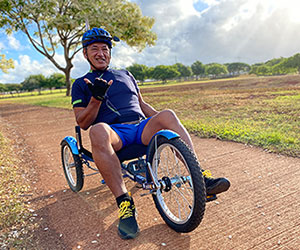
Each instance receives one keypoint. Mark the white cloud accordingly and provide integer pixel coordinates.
(226, 31)
(25, 67)
(122, 56)
(13, 42)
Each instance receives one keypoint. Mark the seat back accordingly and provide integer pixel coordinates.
(132, 151)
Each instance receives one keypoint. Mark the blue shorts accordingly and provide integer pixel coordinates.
(130, 133)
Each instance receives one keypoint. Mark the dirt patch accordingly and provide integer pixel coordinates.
(260, 211)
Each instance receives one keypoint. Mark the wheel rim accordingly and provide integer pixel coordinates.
(178, 203)
(69, 164)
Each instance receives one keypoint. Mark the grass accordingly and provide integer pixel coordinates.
(59, 100)
(31, 93)
(259, 111)
(14, 213)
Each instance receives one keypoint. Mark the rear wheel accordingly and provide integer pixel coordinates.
(182, 196)
(72, 167)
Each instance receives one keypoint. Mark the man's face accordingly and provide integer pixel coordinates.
(99, 55)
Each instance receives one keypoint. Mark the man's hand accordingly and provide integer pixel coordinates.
(98, 88)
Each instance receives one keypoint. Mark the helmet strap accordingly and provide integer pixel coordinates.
(87, 58)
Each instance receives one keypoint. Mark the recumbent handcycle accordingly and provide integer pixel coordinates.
(166, 168)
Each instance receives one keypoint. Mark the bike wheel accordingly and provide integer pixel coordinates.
(181, 200)
(72, 167)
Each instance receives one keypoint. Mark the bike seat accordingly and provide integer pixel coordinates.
(132, 151)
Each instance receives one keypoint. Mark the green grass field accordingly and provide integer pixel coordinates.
(261, 111)
(264, 111)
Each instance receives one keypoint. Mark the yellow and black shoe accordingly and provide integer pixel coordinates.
(215, 185)
(128, 227)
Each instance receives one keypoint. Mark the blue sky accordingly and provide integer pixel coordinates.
(188, 30)
(200, 6)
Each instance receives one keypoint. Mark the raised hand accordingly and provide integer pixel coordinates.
(98, 88)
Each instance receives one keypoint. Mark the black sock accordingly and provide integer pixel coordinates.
(122, 197)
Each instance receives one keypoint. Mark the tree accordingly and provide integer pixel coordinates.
(13, 87)
(54, 24)
(274, 61)
(184, 71)
(163, 72)
(5, 64)
(254, 68)
(3, 87)
(282, 69)
(139, 71)
(238, 67)
(56, 80)
(149, 74)
(216, 69)
(33, 82)
(198, 68)
(263, 70)
(293, 62)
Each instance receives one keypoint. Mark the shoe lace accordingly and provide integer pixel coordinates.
(207, 174)
(125, 210)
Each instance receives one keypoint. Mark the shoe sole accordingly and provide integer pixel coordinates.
(128, 236)
(219, 187)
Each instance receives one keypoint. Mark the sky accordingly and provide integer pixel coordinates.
(221, 31)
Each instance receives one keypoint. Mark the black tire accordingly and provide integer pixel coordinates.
(72, 166)
(180, 218)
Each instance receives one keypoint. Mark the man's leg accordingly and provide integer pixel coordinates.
(167, 119)
(105, 142)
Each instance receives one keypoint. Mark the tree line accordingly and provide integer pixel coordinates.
(36, 82)
(277, 66)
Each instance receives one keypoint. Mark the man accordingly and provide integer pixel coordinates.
(109, 103)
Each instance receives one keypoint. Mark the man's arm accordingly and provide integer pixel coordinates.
(147, 109)
(86, 116)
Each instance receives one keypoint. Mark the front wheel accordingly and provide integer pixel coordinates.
(182, 196)
(72, 167)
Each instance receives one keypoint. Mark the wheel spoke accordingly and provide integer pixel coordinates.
(178, 206)
(71, 165)
(183, 196)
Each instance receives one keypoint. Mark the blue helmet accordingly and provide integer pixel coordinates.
(97, 35)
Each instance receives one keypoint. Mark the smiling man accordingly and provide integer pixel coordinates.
(109, 102)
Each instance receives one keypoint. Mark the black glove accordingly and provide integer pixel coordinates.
(98, 88)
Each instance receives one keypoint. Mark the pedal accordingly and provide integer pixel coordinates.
(144, 194)
(211, 197)
(136, 167)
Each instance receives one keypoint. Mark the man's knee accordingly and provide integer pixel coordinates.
(167, 116)
(99, 134)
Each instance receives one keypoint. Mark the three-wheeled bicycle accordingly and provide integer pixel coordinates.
(166, 168)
